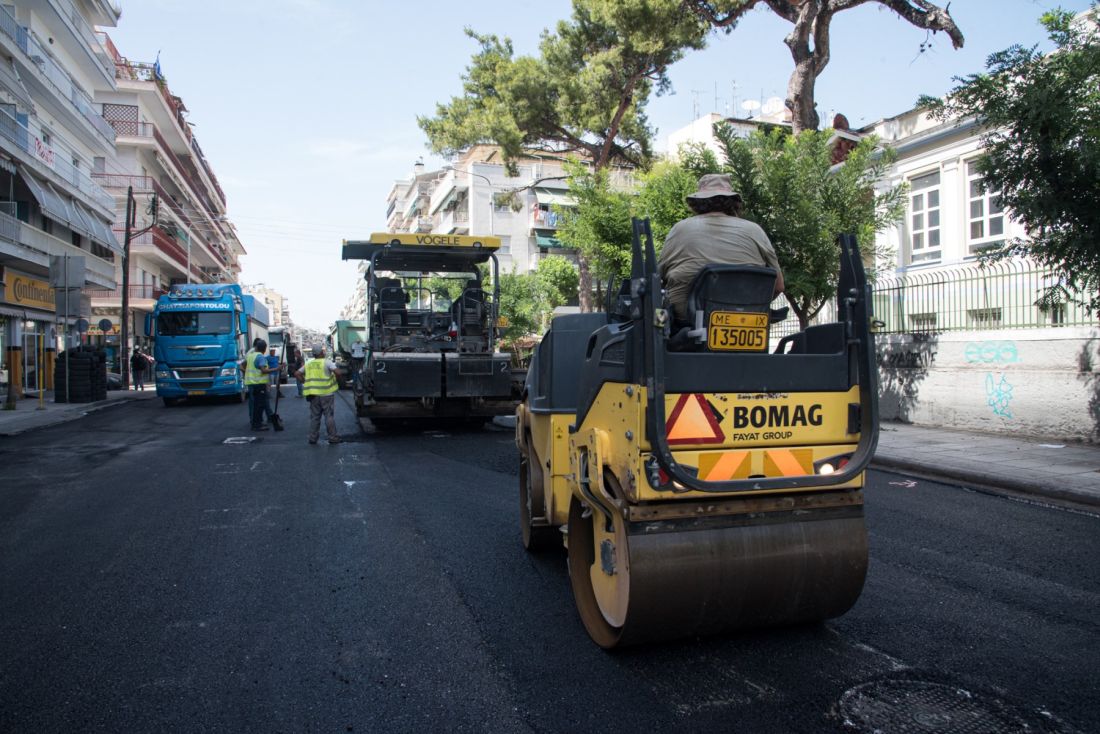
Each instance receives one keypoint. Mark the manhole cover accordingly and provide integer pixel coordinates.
(920, 707)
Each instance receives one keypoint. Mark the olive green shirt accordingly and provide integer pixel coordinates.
(707, 239)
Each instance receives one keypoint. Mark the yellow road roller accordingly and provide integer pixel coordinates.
(700, 480)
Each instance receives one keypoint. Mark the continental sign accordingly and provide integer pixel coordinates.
(733, 419)
(23, 290)
(434, 240)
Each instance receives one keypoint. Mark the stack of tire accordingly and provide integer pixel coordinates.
(80, 376)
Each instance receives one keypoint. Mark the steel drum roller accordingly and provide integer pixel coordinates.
(702, 576)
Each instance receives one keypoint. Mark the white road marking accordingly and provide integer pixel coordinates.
(255, 465)
(908, 484)
(239, 439)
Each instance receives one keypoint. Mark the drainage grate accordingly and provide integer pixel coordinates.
(923, 707)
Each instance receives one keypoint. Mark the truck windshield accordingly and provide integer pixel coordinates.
(195, 323)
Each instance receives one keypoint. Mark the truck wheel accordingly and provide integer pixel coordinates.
(532, 504)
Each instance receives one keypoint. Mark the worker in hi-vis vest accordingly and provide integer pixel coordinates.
(318, 377)
(256, 381)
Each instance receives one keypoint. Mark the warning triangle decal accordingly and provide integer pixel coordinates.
(693, 420)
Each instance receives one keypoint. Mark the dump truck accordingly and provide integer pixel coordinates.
(700, 481)
(431, 330)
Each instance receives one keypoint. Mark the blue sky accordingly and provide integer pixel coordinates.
(306, 109)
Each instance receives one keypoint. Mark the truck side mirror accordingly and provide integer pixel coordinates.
(242, 323)
(148, 324)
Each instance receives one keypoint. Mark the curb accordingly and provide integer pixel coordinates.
(991, 483)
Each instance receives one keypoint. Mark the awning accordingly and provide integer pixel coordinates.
(545, 240)
(81, 219)
(550, 196)
(98, 229)
(51, 203)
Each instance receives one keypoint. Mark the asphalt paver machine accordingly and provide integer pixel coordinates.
(431, 330)
(700, 481)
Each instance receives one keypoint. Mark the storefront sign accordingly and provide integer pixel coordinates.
(23, 290)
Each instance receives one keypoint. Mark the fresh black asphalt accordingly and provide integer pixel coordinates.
(155, 578)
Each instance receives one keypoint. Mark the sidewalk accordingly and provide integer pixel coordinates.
(1067, 472)
(27, 416)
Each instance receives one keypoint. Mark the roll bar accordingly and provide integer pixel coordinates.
(853, 305)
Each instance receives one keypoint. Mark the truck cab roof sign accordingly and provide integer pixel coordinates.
(195, 306)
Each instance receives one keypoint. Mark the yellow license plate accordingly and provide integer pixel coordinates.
(196, 392)
(734, 331)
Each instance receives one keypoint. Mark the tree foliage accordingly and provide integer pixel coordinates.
(586, 92)
(1042, 148)
(809, 40)
(792, 190)
(528, 299)
(790, 187)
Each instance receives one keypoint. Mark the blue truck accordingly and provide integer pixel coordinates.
(201, 332)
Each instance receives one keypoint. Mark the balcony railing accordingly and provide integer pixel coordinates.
(136, 291)
(206, 167)
(45, 158)
(132, 129)
(58, 77)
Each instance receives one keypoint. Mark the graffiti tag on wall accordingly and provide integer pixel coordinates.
(998, 394)
(992, 352)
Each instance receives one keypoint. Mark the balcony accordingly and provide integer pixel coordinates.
(59, 79)
(84, 34)
(425, 224)
(149, 131)
(454, 221)
(542, 219)
(37, 246)
(42, 157)
(149, 185)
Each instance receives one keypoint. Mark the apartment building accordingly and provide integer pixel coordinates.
(278, 305)
(158, 156)
(51, 137)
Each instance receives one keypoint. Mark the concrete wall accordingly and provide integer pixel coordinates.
(1040, 383)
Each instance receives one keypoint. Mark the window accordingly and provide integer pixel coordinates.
(505, 245)
(986, 219)
(984, 318)
(922, 321)
(924, 218)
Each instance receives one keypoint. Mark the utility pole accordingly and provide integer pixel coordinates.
(124, 336)
(124, 320)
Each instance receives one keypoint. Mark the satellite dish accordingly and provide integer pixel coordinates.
(772, 106)
(750, 105)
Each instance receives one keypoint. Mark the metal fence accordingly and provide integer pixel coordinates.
(1013, 294)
